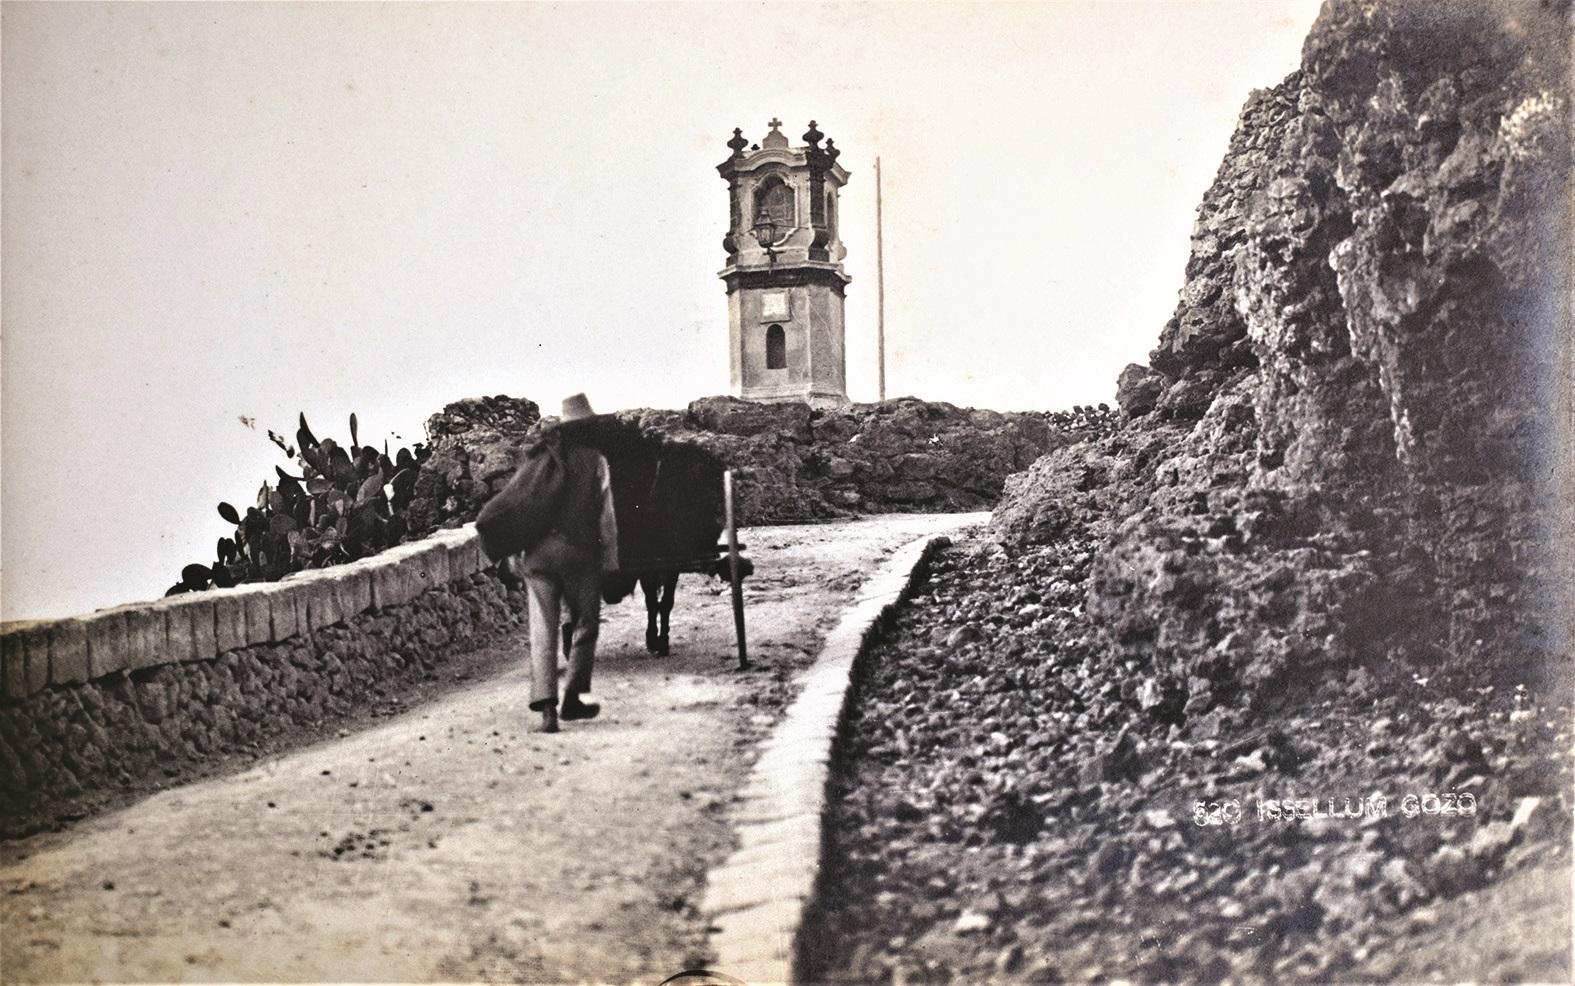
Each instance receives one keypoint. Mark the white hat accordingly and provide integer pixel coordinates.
(576, 407)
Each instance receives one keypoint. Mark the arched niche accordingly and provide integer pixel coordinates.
(776, 347)
(775, 197)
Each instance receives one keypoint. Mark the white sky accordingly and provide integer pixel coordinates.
(215, 211)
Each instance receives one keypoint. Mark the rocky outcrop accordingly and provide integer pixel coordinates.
(1347, 448)
(1138, 389)
(473, 447)
(1272, 684)
(794, 462)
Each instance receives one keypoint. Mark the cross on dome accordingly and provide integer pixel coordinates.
(776, 138)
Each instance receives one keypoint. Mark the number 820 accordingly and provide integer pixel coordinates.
(1216, 812)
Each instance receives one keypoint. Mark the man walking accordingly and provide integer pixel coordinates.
(562, 576)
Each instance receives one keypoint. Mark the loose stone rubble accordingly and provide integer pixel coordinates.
(1020, 805)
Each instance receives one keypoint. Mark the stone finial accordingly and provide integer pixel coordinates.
(738, 143)
(776, 138)
(832, 150)
(812, 136)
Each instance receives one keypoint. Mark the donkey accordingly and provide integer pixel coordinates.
(667, 497)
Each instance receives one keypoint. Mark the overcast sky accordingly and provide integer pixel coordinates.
(222, 212)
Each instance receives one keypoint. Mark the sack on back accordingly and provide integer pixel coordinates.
(525, 510)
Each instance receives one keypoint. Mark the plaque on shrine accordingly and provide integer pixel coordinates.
(774, 306)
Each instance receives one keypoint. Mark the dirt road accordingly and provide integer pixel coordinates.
(446, 842)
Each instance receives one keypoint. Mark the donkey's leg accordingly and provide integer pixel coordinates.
(669, 587)
(650, 586)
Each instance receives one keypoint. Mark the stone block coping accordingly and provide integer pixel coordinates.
(756, 899)
(200, 626)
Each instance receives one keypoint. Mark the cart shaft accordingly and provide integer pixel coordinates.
(735, 575)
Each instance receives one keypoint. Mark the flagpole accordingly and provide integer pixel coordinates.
(880, 288)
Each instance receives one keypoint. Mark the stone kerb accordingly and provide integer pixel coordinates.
(203, 625)
(758, 898)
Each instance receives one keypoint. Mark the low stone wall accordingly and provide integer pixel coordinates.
(93, 701)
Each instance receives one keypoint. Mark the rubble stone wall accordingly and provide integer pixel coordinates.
(122, 693)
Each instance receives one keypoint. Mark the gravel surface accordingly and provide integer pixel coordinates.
(1014, 806)
(438, 840)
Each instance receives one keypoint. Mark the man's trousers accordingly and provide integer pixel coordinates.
(563, 583)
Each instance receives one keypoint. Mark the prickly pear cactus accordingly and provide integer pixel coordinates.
(344, 504)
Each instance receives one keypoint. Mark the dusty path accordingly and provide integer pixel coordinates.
(447, 842)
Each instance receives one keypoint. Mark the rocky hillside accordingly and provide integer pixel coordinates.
(1347, 448)
(795, 463)
(1272, 684)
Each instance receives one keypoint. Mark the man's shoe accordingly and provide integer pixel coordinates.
(546, 722)
(574, 708)
(546, 710)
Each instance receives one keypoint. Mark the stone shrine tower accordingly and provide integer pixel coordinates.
(784, 272)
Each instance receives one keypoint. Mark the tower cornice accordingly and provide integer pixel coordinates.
(790, 157)
(785, 276)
